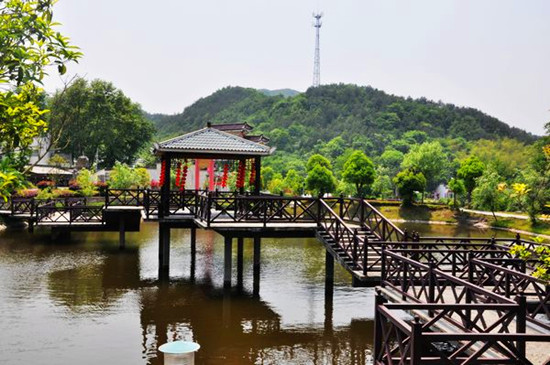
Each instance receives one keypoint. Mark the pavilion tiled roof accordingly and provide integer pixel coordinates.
(212, 140)
(233, 127)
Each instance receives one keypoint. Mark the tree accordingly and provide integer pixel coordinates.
(29, 45)
(124, 177)
(429, 159)
(407, 182)
(105, 122)
(458, 188)
(382, 187)
(470, 169)
(488, 193)
(320, 181)
(391, 159)
(359, 170)
(293, 183)
(537, 178)
(317, 159)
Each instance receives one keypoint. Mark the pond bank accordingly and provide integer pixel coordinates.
(442, 215)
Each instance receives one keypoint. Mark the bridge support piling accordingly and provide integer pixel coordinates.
(256, 273)
(193, 253)
(329, 269)
(164, 248)
(240, 260)
(329, 292)
(227, 262)
(121, 233)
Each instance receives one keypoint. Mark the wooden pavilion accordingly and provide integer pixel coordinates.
(220, 142)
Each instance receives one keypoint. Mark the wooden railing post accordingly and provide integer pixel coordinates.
(416, 341)
(107, 197)
(365, 255)
(208, 208)
(355, 247)
(468, 296)
(521, 323)
(431, 285)
(383, 266)
(341, 206)
(146, 202)
(362, 213)
(378, 335)
(404, 278)
(318, 210)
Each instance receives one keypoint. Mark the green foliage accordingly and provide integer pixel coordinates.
(470, 169)
(85, 180)
(318, 160)
(58, 160)
(267, 176)
(541, 256)
(488, 193)
(359, 170)
(364, 118)
(320, 181)
(458, 188)
(99, 119)
(407, 182)
(293, 184)
(29, 45)
(382, 187)
(430, 159)
(124, 177)
(507, 156)
(10, 179)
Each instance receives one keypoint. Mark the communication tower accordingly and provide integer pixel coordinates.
(317, 59)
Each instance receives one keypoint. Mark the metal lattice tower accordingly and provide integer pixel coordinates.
(317, 59)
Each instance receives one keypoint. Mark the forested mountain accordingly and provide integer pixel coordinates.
(283, 92)
(363, 116)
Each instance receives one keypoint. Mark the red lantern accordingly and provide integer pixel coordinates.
(224, 177)
(241, 170)
(252, 179)
(184, 176)
(162, 173)
(178, 174)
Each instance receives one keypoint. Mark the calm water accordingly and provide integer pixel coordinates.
(85, 302)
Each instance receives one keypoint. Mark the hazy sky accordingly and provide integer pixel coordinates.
(165, 54)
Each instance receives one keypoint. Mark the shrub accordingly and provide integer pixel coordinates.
(63, 193)
(43, 184)
(27, 193)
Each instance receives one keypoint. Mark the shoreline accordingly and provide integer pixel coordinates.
(477, 224)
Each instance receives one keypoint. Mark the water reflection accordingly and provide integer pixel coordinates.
(86, 302)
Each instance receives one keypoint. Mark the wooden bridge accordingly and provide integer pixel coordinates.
(442, 300)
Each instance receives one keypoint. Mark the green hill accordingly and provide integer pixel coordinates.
(364, 117)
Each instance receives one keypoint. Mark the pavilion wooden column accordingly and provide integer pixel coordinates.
(256, 266)
(197, 174)
(240, 262)
(211, 186)
(193, 252)
(258, 168)
(165, 188)
(164, 249)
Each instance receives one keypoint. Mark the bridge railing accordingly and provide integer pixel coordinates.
(505, 277)
(360, 212)
(50, 213)
(453, 308)
(420, 340)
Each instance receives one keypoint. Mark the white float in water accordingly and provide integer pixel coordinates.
(179, 352)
